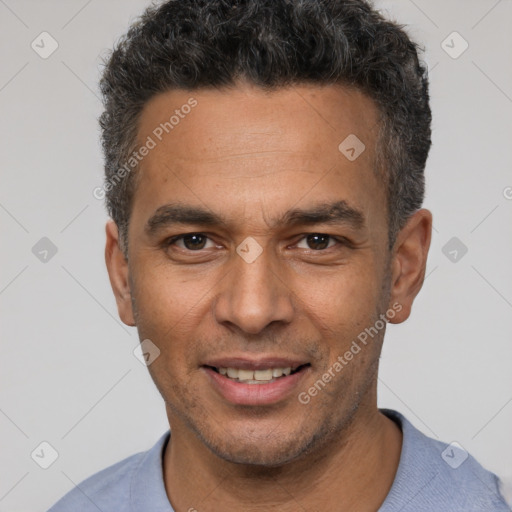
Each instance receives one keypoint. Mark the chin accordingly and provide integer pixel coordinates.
(253, 454)
(264, 447)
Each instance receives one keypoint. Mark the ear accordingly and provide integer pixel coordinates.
(409, 260)
(117, 268)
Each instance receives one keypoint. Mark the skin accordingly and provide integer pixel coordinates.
(251, 156)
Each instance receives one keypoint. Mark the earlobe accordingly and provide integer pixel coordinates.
(409, 261)
(118, 273)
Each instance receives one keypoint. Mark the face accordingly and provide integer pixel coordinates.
(257, 248)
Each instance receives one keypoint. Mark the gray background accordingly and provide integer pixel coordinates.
(68, 373)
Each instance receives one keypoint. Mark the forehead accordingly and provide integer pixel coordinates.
(243, 146)
(301, 118)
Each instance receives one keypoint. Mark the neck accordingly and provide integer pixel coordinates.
(352, 471)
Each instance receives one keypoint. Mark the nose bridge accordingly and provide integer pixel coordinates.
(253, 295)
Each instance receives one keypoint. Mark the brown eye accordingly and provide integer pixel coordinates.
(317, 241)
(190, 241)
(194, 241)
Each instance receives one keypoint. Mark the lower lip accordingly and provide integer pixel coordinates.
(255, 394)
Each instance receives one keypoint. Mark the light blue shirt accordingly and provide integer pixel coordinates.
(431, 477)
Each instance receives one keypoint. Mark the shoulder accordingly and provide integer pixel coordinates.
(109, 490)
(435, 476)
(102, 490)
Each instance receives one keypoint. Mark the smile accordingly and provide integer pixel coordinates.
(264, 383)
(264, 376)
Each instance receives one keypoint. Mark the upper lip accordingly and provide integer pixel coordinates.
(260, 363)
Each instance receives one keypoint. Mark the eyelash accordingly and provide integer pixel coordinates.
(340, 240)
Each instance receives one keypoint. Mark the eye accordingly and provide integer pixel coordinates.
(316, 241)
(191, 241)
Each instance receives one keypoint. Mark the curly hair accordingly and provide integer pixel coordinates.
(192, 44)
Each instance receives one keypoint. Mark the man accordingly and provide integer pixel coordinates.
(264, 174)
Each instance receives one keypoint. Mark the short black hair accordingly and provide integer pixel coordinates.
(192, 44)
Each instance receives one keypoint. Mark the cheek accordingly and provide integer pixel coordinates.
(167, 311)
(342, 300)
(163, 296)
(340, 307)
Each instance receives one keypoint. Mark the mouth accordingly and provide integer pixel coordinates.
(243, 382)
(260, 376)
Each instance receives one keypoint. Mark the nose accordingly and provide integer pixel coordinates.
(254, 295)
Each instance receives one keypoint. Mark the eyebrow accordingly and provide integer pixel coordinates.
(339, 212)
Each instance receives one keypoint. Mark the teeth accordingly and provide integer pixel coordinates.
(232, 373)
(255, 376)
(263, 374)
(244, 374)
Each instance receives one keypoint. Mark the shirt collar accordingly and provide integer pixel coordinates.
(413, 475)
(415, 471)
(147, 487)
